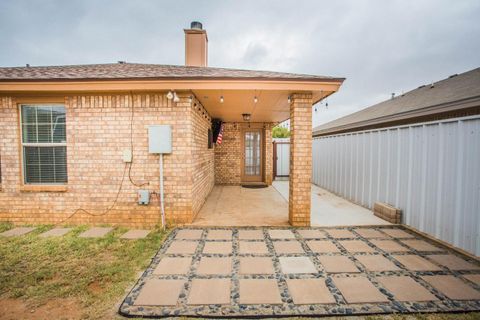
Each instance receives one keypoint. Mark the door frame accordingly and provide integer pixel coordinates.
(261, 177)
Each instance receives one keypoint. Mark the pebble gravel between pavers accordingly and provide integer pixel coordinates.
(323, 268)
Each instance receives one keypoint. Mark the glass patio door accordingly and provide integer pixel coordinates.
(252, 155)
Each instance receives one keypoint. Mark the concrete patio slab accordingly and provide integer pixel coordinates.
(293, 265)
(475, 278)
(370, 233)
(214, 265)
(135, 234)
(159, 292)
(259, 291)
(322, 246)
(397, 233)
(328, 209)
(389, 246)
(452, 287)
(421, 245)
(55, 232)
(189, 234)
(340, 233)
(359, 290)
(405, 288)
(173, 265)
(256, 265)
(249, 247)
(250, 235)
(311, 234)
(282, 247)
(337, 264)
(219, 235)
(281, 234)
(95, 232)
(224, 247)
(376, 263)
(453, 262)
(309, 291)
(15, 232)
(416, 263)
(356, 246)
(182, 247)
(209, 291)
(327, 282)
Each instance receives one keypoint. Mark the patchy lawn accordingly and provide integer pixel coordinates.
(76, 278)
(69, 277)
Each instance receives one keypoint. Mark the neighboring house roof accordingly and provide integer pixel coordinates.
(132, 71)
(454, 93)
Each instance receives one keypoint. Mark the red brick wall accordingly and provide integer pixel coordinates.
(98, 130)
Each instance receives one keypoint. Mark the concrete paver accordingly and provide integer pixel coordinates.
(291, 265)
(376, 262)
(416, 263)
(214, 265)
(249, 247)
(223, 247)
(281, 234)
(370, 233)
(282, 247)
(340, 233)
(219, 235)
(452, 287)
(397, 233)
(259, 291)
(158, 292)
(189, 234)
(209, 291)
(475, 278)
(421, 245)
(359, 290)
(337, 264)
(135, 234)
(322, 246)
(173, 265)
(182, 247)
(312, 234)
(19, 231)
(453, 262)
(356, 246)
(309, 291)
(389, 246)
(405, 288)
(256, 265)
(250, 234)
(95, 232)
(55, 232)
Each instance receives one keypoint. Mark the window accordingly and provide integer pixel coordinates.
(44, 144)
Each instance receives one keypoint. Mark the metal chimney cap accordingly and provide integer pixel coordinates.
(196, 25)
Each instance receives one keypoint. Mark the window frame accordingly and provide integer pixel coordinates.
(55, 187)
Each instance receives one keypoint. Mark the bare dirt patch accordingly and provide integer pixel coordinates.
(53, 309)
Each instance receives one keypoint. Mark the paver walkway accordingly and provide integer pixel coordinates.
(94, 232)
(319, 271)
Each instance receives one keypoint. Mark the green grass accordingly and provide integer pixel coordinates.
(95, 272)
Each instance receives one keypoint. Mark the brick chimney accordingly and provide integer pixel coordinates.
(196, 45)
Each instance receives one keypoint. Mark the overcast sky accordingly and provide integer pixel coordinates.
(379, 46)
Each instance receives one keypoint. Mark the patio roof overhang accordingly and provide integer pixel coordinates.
(238, 95)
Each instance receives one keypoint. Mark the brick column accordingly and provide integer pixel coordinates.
(300, 159)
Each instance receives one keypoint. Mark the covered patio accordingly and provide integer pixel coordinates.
(238, 206)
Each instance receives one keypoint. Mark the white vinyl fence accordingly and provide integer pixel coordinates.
(430, 170)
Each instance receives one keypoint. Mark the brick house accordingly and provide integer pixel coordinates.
(67, 133)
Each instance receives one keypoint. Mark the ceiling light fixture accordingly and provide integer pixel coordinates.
(169, 95)
(190, 99)
(246, 116)
(289, 99)
(221, 99)
(255, 99)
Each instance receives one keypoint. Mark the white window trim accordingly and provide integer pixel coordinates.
(42, 144)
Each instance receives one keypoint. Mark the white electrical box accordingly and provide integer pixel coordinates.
(127, 156)
(160, 139)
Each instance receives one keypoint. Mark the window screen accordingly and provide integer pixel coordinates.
(44, 144)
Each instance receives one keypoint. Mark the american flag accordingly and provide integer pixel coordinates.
(220, 135)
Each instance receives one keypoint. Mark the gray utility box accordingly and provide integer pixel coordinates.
(143, 197)
(160, 139)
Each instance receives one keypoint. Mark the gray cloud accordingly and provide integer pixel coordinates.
(379, 46)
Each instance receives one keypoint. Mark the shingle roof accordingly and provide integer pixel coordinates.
(424, 98)
(131, 71)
